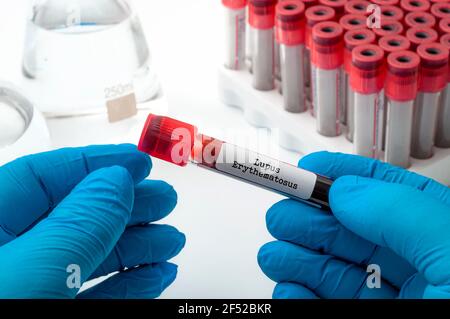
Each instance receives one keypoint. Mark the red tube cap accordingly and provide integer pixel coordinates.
(290, 22)
(391, 12)
(352, 39)
(420, 19)
(441, 10)
(444, 25)
(415, 5)
(357, 7)
(235, 4)
(327, 49)
(388, 27)
(168, 139)
(445, 41)
(262, 14)
(394, 43)
(337, 5)
(433, 69)
(419, 35)
(353, 21)
(368, 70)
(402, 75)
(385, 2)
(315, 15)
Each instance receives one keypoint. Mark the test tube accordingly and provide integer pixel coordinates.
(337, 5)
(357, 7)
(367, 80)
(262, 22)
(391, 12)
(433, 74)
(415, 5)
(389, 44)
(327, 59)
(421, 35)
(444, 26)
(314, 15)
(443, 126)
(440, 10)
(388, 27)
(352, 39)
(420, 19)
(400, 90)
(180, 143)
(235, 25)
(291, 38)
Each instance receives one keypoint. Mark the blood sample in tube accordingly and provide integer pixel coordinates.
(235, 24)
(443, 126)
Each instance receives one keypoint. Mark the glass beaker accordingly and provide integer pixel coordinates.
(80, 54)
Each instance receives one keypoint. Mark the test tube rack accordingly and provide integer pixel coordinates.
(298, 130)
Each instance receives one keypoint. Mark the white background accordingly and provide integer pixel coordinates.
(224, 220)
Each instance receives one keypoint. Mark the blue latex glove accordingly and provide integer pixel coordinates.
(92, 208)
(382, 215)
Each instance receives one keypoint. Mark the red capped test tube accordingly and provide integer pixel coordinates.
(180, 143)
(389, 44)
(444, 26)
(337, 5)
(357, 7)
(391, 13)
(367, 81)
(290, 31)
(443, 127)
(433, 73)
(415, 5)
(262, 22)
(352, 22)
(421, 35)
(400, 90)
(327, 59)
(313, 15)
(352, 39)
(235, 25)
(420, 19)
(441, 10)
(388, 27)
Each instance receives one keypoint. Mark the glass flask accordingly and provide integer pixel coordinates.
(81, 54)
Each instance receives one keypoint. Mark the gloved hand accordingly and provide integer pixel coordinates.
(381, 215)
(72, 215)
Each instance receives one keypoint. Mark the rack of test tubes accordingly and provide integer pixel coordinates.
(364, 77)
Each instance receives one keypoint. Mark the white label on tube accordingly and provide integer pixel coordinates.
(265, 171)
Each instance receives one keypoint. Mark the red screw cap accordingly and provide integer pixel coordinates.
(328, 45)
(394, 43)
(433, 68)
(402, 75)
(420, 19)
(168, 139)
(419, 35)
(290, 22)
(235, 4)
(314, 15)
(368, 70)
(262, 13)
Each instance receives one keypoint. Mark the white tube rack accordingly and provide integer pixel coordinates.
(298, 131)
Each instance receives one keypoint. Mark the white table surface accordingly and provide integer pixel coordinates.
(224, 220)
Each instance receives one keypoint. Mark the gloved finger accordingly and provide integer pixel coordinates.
(318, 230)
(33, 185)
(408, 221)
(82, 230)
(148, 244)
(290, 290)
(153, 200)
(326, 276)
(145, 282)
(335, 165)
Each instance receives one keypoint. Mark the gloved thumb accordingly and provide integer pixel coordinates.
(77, 236)
(407, 220)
